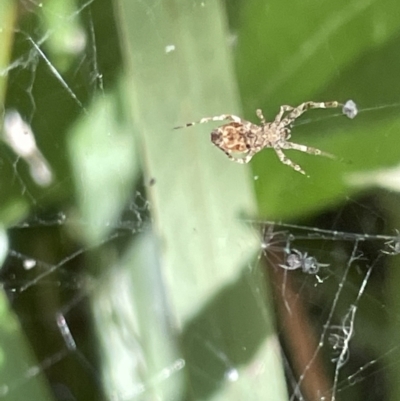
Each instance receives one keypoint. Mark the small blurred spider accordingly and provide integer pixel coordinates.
(240, 140)
(393, 246)
(309, 264)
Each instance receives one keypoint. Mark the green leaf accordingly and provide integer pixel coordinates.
(288, 53)
(181, 70)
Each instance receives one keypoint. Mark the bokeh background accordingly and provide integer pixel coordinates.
(138, 262)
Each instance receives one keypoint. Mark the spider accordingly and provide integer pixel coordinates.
(393, 246)
(240, 140)
(308, 264)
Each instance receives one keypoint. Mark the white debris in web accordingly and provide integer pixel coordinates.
(29, 264)
(340, 338)
(19, 136)
(169, 48)
(232, 375)
(350, 109)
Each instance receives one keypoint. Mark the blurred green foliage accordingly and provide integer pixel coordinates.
(113, 80)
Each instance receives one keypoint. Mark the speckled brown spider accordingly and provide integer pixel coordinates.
(240, 140)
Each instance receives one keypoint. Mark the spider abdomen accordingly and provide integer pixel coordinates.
(232, 137)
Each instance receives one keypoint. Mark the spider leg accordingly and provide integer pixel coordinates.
(283, 159)
(282, 110)
(299, 110)
(222, 117)
(306, 149)
(261, 116)
(241, 160)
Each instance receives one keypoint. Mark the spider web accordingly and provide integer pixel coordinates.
(346, 251)
(80, 278)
